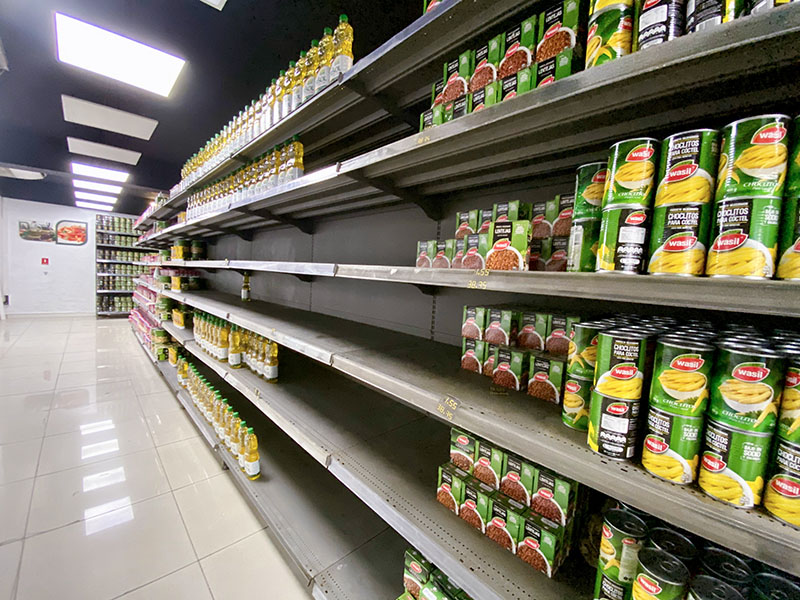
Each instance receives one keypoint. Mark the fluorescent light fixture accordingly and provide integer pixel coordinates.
(97, 187)
(218, 4)
(87, 148)
(106, 53)
(21, 173)
(95, 197)
(99, 172)
(91, 206)
(101, 116)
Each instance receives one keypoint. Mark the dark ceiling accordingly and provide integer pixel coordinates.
(231, 57)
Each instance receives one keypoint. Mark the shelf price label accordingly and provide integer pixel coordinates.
(479, 281)
(447, 407)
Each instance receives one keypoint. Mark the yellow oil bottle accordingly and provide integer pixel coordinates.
(233, 434)
(288, 89)
(298, 77)
(235, 350)
(224, 340)
(240, 436)
(276, 165)
(277, 114)
(246, 288)
(271, 364)
(342, 48)
(295, 156)
(272, 95)
(323, 77)
(311, 69)
(252, 464)
(284, 163)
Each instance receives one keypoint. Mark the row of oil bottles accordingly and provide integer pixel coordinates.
(236, 346)
(277, 166)
(310, 74)
(231, 430)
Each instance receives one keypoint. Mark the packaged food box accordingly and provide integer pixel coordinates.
(539, 252)
(426, 251)
(445, 252)
(450, 489)
(559, 332)
(511, 368)
(438, 114)
(485, 218)
(457, 73)
(436, 93)
(559, 214)
(473, 322)
(555, 497)
(510, 250)
(466, 223)
(507, 522)
(487, 59)
(519, 478)
(475, 509)
(517, 84)
(429, 5)
(455, 109)
(559, 248)
(445, 583)
(519, 48)
(473, 354)
(476, 246)
(416, 571)
(514, 210)
(542, 546)
(502, 325)
(463, 449)
(489, 466)
(488, 364)
(431, 591)
(426, 120)
(458, 259)
(547, 376)
(560, 40)
(484, 97)
(541, 229)
(406, 596)
(532, 330)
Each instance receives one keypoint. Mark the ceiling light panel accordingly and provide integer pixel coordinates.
(106, 53)
(21, 173)
(98, 187)
(99, 173)
(218, 4)
(95, 197)
(87, 148)
(92, 206)
(100, 116)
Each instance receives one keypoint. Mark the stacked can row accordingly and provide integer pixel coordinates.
(708, 205)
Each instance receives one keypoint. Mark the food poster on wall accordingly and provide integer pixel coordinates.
(69, 233)
(34, 231)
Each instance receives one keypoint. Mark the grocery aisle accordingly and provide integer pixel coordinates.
(107, 490)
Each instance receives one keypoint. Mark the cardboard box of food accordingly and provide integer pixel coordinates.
(511, 368)
(426, 251)
(475, 249)
(466, 223)
(502, 325)
(450, 489)
(532, 330)
(560, 40)
(473, 322)
(416, 571)
(510, 250)
(507, 522)
(517, 84)
(519, 48)
(473, 354)
(519, 478)
(445, 252)
(489, 466)
(475, 509)
(547, 377)
(457, 73)
(555, 497)
(487, 59)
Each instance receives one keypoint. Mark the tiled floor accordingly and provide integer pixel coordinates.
(106, 490)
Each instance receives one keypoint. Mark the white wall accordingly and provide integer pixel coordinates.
(67, 284)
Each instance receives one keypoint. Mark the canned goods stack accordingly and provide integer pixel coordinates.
(590, 182)
(789, 243)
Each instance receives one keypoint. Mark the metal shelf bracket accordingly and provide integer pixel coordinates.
(432, 209)
(304, 225)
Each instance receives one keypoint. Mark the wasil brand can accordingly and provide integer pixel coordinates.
(577, 399)
(753, 158)
(705, 587)
(672, 446)
(704, 14)
(681, 374)
(613, 426)
(679, 239)
(768, 586)
(623, 535)
(622, 243)
(660, 21)
(610, 32)
(789, 417)
(793, 175)
(632, 166)
(678, 545)
(782, 493)
(746, 387)
(733, 464)
(590, 181)
(582, 246)
(583, 348)
(744, 238)
(623, 361)
(789, 243)
(659, 575)
(724, 565)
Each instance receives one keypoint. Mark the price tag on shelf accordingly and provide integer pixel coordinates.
(447, 407)
(479, 280)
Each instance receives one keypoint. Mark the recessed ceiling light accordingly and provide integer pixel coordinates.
(218, 4)
(107, 53)
(101, 116)
(20, 173)
(99, 173)
(98, 187)
(95, 197)
(87, 148)
(91, 205)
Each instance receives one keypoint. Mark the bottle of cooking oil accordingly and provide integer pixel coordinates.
(271, 363)
(252, 465)
(300, 77)
(276, 166)
(261, 357)
(233, 434)
(277, 114)
(311, 70)
(272, 96)
(227, 426)
(295, 168)
(235, 350)
(224, 339)
(241, 435)
(288, 89)
(284, 163)
(342, 48)
(325, 60)
(250, 123)
(246, 287)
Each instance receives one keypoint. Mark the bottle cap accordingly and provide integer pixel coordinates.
(302, 54)
(314, 43)
(249, 430)
(295, 138)
(274, 80)
(292, 64)
(327, 31)
(342, 18)
(282, 73)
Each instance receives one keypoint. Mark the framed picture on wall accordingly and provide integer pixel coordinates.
(36, 232)
(71, 233)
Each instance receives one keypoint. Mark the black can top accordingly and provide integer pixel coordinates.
(705, 587)
(728, 567)
(626, 522)
(673, 542)
(664, 566)
(767, 586)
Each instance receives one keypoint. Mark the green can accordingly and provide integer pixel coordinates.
(622, 363)
(782, 494)
(632, 166)
(677, 544)
(793, 175)
(622, 243)
(746, 387)
(582, 246)
(590, 181)
(672, 446)
(623, 536)
(686, 172)
(733, 464)
(583, 348)
(679, 239)
(659, 575)
(613, 426)
(768, 586)
(577, 399)
(681, 373)
(789, 246)
(789, 419)
(610, 32)
(753, 158)
(705, 587)
(745, 238)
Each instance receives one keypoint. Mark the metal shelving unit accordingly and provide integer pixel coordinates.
(128, 233)
(114, 275)
(116, 262)
(114, 291)
(112, 313)
(422, 373)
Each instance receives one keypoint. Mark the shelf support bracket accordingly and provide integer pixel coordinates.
(432, 209)
(428, 290)
(382, 102)
(304, 225)
(247, 236)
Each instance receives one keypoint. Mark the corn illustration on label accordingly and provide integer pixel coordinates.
(746, 389)
(582, 354)
(623, 535)
(733, 464)
(753, 158)
(744, 237)
(681, 375)
(577, 400)
(613, 426)
(672, 446)
(622, 242)
(793, 175)
(622, 360)
(631, 178)
(610, 32)
(582, 247)
(789, 420)
(590, 181)
(679, 239)
(688, 167)
(659, 576)
(782, 493)
(789, 252)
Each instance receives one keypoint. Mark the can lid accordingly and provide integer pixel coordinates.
(627, 332)
(642, 139)
(705, 587)
(593, 164)
(673, 542)
(757, 347)
(772, 116)
(626, 522)
(663, 566)
(775, 587)
(727, 566)
(674, 135)
(682, 341)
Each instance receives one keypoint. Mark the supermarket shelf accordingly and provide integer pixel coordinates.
(147, 285)
(136, 248)
(114, 291)
(181, 335)
(144, 346)
(114, 275)
(115, 262)
(421, 373)
(111, 313)
(128, 233)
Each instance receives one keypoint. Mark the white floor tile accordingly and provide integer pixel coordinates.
(26, 403)
(108, 555)
(24, 416)
(151, 385)
(186, 584)
(45, 355)
(69, 450)
(93, 416)
(18, 461)
(171, 427)
(188, 461)
(9, 565)
(215, 514)
(15, 498)
(160, 402)
(40, 371)
(31, 350)
(75, 494)
(91, 394)
(15, 387)
(252, 568)
(83, 378)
